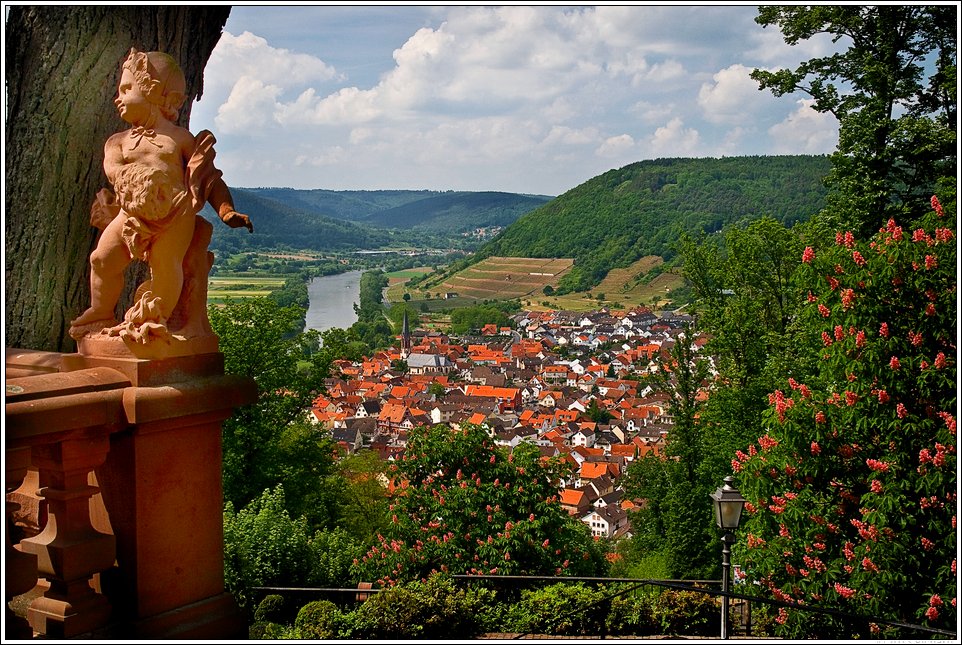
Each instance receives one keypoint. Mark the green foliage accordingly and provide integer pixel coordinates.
(676, 520)
(686, 612)
(468, 320)
(260, 339)
(852, 485)
(264, 547)
(458, 212)
(465, 505)
(270, 610)
(643, 209)
(563, 608)
(318, 620)
(293, 293)
(364, 507)
(632, 614)
(333, 553)
(897, 126)
(431, 609)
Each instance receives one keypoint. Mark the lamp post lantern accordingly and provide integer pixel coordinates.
(728, 504)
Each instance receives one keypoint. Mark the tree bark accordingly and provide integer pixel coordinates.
(62, 69)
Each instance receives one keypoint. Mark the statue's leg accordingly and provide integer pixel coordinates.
(107, 264)
(166, 263)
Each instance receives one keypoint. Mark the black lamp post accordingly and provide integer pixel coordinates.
(728, 513)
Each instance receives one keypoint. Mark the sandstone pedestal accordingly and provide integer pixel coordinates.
(129, 458)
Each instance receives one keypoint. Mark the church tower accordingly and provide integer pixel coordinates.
(405, 337)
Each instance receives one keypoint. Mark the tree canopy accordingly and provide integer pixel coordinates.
(894, 93)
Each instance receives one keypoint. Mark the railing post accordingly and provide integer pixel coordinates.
(20, 569)
(69, 550)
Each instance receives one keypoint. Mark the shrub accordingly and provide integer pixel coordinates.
(687, 612)
(560, 609)
(632, 615)
(318, 620)
(433, 608)
(270, 609)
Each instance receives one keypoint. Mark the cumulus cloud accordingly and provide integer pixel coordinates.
(674, 140)
(617, 146)
(525, 94)
(731, 97)
(249, 106)
(805, 131)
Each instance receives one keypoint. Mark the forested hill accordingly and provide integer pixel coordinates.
(278, 224)
(458, 212)
(331, 219)
(642, 209)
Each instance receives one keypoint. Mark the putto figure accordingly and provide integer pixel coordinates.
(161, 176)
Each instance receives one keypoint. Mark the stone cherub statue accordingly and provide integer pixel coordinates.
(161, 175)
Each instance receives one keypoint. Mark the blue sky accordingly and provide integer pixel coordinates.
(528, 99)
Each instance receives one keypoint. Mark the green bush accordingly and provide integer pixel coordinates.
(632, 614)
(430, 609)
(559, 609)
(318, 620)
(270, 609)
(688, 613)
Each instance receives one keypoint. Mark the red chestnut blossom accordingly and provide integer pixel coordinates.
(931, 262)
(858, 259)
(884, 330)
(937, 207)
(927, 544)
(894, 363)
(932, 613)
(939, 361)
(808, 255)
(876, 486)
(843, 591)
(901, 411)
(825, 311)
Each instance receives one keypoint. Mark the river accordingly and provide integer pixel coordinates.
(332, 300)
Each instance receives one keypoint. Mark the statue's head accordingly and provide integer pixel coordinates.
(160, 79)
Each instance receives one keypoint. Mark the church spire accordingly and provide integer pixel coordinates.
(405, 336)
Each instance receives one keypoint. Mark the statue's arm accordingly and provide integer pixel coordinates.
(220, 198)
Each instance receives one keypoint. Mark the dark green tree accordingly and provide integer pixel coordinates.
(676, 492)
(894, 93)
(261, 340)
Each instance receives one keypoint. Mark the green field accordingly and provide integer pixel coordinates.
(225, 285)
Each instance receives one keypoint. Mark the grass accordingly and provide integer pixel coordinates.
(235, 285)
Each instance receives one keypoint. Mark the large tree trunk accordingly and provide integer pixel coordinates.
(62, 68)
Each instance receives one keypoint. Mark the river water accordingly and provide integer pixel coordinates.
(332, 300)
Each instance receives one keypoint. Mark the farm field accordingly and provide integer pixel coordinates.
(396, 279)
(623, 286)
(226, 285)
(501, 278)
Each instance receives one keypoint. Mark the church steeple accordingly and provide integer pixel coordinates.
(405, 336)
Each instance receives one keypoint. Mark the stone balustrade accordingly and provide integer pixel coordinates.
(114, 499)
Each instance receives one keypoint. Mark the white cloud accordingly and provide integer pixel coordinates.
(731, 97)
(674, 140)
(805, 131)
(249, 107)
(524, 98)
(614, 147)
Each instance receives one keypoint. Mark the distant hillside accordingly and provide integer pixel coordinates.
(351, 205)
(458, 212)
(278, 224)
(448, 212)
(642, 209)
